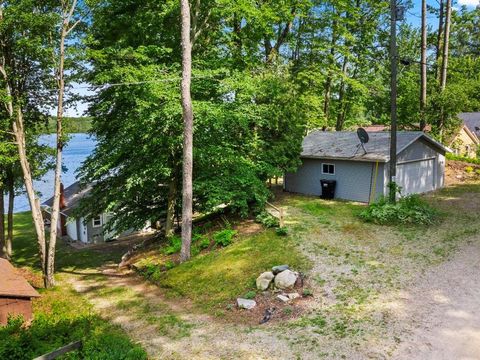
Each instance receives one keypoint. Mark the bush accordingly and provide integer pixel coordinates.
(281, 231)
(410, 209)
(469, 169)
(224, 237)
(267, 220)
(174, 246)
(463, 158)
(204, 243)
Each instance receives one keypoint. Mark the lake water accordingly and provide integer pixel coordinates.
(74, 153)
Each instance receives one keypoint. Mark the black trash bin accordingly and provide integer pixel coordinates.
(328, 189)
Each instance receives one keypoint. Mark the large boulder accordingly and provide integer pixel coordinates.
(278, 269)
(246, 303)
(264, 280)
(286, 279)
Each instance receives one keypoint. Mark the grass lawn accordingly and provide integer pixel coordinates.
(218, 277)
(61, 314)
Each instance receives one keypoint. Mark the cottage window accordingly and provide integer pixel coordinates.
(328, 169)
(97, 221)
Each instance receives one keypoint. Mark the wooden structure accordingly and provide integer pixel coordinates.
(280, 215)
(15, 293)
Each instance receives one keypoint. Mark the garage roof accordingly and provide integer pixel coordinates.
(344, 145)
(12, 284)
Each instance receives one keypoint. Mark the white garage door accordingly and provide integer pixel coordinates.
(416, 177)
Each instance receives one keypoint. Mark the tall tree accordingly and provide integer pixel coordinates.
(68, 24)
(187, 189)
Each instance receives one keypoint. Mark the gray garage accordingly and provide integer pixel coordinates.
(364, 176)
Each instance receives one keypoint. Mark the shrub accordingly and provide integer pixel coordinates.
(267, 220)
(469, 169)
(281, 231)
(204, 243)
(224, 237)
(410, 209)
(463, 158)
(174, 246)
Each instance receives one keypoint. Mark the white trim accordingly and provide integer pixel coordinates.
(328, 173)
(96, 218)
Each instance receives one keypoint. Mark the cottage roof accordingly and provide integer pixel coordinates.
(344, 145)
(12, 284)
(472, 122)
(73, 194)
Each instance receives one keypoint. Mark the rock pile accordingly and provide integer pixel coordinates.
(281, 277)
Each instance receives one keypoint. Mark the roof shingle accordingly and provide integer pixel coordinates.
(345, 145)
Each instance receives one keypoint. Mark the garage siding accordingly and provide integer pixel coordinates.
(420, 168)
(354, 179)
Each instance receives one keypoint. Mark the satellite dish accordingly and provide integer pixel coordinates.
(364, 138)
(363, 135)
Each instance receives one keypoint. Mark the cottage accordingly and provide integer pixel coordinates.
(78, 228)
(15, 294)
(363, 175)
(466, 140)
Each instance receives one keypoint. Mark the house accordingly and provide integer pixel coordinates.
(78, 228)
(466, 140)
(15, 294)
(363, 176)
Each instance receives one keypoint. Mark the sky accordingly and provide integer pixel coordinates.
(412, 16)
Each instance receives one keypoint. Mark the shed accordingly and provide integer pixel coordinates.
(15, 293)
(363, 176)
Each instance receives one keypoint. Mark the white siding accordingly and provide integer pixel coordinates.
(83, 230)
(72, 228)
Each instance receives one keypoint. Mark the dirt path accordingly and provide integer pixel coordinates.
(445, 318)
(167, 330)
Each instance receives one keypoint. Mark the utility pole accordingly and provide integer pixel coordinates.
(393, 99)
(423, 68)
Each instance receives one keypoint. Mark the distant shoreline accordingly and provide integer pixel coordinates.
(71, 125)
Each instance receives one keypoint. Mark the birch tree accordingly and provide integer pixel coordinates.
(68, 24)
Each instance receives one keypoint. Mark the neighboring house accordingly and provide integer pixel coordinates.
(77, 228)
(363, 176)
(15, 294)
(466, 140)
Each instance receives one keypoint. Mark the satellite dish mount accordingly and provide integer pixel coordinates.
(363, 137)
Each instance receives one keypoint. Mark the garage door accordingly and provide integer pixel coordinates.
(416, 177)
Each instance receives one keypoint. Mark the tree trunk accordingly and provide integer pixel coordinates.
(58, 161)
(341, 96)
(172, 195)
(438, 46)
(443, 74)
(3, 247)
(11, 200)
(423, 86)
(328, 81)
(187, 191)
(446, 39)
(37, 215)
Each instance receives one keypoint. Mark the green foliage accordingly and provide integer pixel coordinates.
(224, 237)
(410, 209)
(267, 220)
(175, 245)
(204, 243)
(463, 158)
(62, 317)
(469, 169)
(70, 125)
(281, 231)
